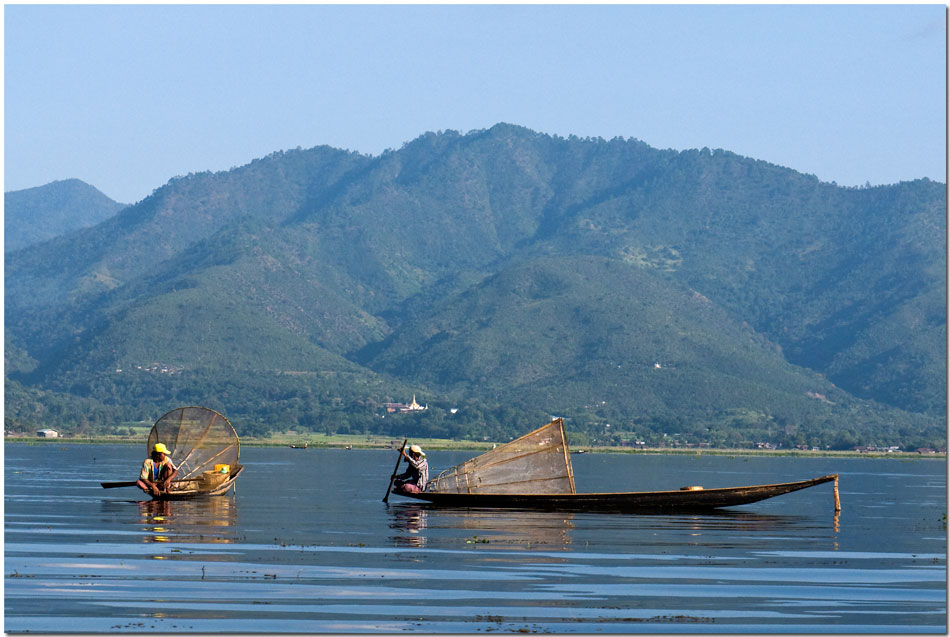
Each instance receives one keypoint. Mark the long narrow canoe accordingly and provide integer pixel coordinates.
(685, 499)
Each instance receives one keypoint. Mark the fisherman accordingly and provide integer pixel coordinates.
(157, 471)
(416, 477)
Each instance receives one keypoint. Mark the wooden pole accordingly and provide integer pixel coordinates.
(837, 499)
(395, 471)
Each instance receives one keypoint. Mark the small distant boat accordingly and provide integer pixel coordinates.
(203, 446)
(303, 446)
(534, 472)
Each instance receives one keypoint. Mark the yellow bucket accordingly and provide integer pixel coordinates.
(222, 468)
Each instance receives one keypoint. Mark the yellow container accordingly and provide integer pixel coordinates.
(222, 468)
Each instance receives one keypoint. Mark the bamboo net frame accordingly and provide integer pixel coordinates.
(198, 438)
(536, 463)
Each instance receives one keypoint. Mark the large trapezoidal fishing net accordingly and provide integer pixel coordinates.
(197, 438)
(536, 463)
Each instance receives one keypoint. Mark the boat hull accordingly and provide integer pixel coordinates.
(189, 489)
(629, 502)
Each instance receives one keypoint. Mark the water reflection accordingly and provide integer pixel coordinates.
(205, 520)
(837, 529)
(499, 527)
(78, 558)
(418, 525)
(411, 522)
(527, 529)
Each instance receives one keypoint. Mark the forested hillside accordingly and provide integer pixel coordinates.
(36, 214)
(501, 276)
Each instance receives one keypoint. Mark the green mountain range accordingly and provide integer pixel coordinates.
(501, 276)
(36, 214)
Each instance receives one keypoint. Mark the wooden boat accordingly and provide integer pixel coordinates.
(534, 472)
(685, 500)
(199, 487)
(203, 446)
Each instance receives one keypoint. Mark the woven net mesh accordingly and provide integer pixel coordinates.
(536, 463)
(197, 438)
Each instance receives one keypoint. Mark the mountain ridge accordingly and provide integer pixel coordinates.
(34, 215)
(323, 250)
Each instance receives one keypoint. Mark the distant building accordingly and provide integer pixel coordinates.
(403, 408)
(47, 433)
(876, 449)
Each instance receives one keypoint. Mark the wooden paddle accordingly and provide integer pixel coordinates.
(113, 485)
(395, 471)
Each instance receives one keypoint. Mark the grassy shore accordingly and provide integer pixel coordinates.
(340, 441)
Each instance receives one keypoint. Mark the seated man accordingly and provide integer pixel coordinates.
(416, 477)
(157, 473)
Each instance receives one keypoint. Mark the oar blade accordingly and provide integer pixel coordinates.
(114, 485)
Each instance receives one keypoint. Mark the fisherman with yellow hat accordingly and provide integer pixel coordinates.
(416, 477)
(157, 471)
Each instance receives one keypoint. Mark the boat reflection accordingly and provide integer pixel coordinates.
(419, 525)
(411, 521)
(205, 520)
(499, 527)
(719, 521)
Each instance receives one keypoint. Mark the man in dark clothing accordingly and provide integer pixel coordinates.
(416, 477)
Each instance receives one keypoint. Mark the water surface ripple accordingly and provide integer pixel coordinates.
(306, 546)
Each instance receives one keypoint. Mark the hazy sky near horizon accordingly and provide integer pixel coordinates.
(125, 97)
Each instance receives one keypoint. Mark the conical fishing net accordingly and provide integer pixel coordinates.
(536, 463)
(197, 439)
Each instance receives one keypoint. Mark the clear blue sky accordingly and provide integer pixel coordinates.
(126, 97)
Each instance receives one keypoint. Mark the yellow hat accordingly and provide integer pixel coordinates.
(416, 449)
(160, 448)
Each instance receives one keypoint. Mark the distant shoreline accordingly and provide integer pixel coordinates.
(320, 441)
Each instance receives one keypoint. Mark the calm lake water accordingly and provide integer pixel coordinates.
(307, 546)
